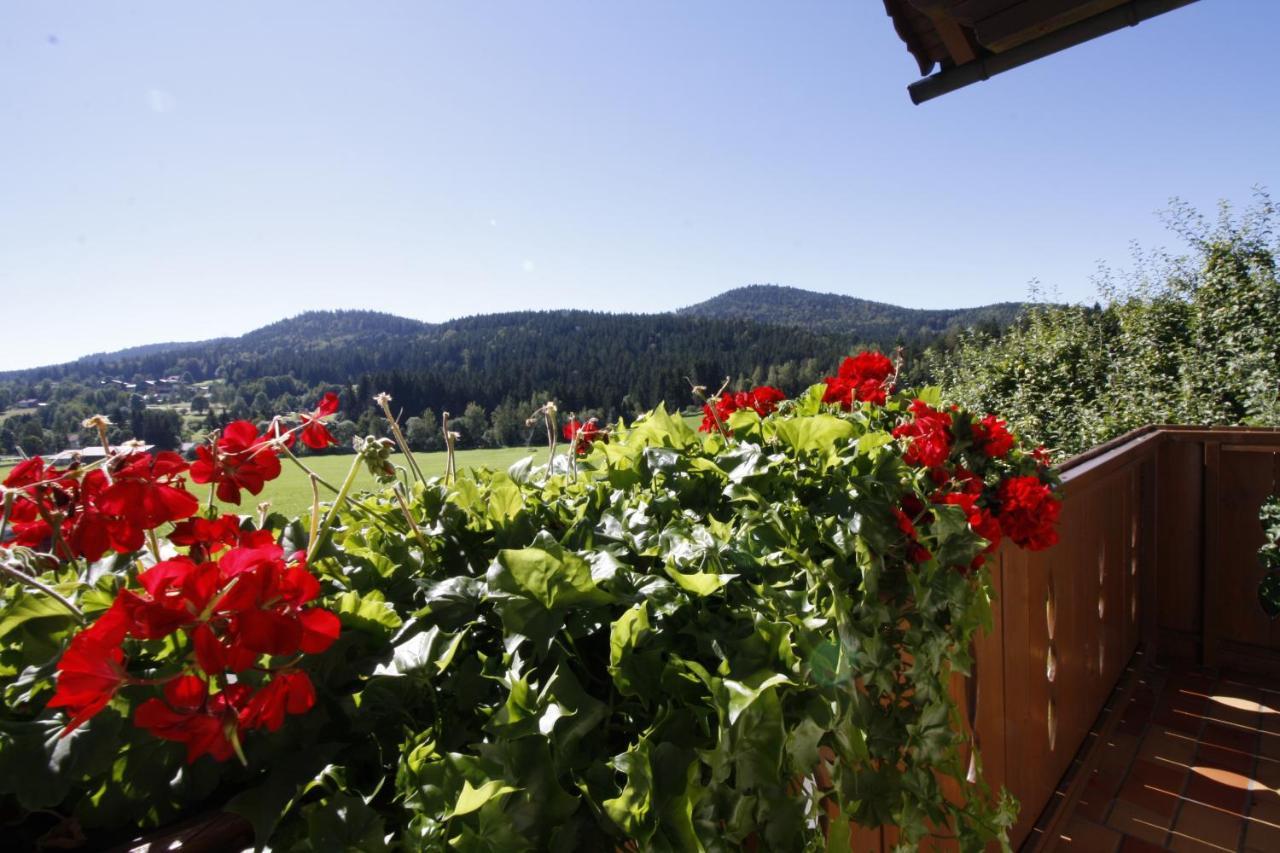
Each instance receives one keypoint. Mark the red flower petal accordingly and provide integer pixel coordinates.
(268, 632)
(319, 629)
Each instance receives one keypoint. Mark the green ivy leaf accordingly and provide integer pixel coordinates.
(25, 606)
(370, 612)
(551, 576)
(471, 799)
(266, 803)
(822, 433)
(742, 694)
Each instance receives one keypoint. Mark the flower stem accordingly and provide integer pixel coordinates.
(4, 513)
(550, 415)
(710, 403)
(450, 466)
(60, 547)
(27, 579)
(384, 400)
(315, 508)
(408, 516)
(154, 543)
(343, 491)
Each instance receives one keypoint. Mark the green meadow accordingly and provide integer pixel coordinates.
(290, 493)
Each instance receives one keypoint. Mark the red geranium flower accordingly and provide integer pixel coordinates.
(190, 715)
(314, 433)
(290, 692)
(98, 514)
(28, 472)
(763, 401)
(980, 519)
(724, 406)
(241, 459)
(928, 436)
(991, 435)
(91, 670)
(145, 493)
(587, 434)
(1028, 512)
(867, 377)
(904, 523)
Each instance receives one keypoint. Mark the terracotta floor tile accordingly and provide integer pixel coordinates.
(1178, 720)
(1264, 806)
(1201, 828)
(1132, 844)
(1192, 700)
(1235, 706)
(1138, 822)
(1143, 794)
(1267, 772)
(1153, 786)
(1095, 799)
(1261, 837)
(1269, 719)
(1269, 742)
(1212, 789)
(1089, 837)
(1118, 753)
(1169, 747)
(1235, 760)
(1240, 739)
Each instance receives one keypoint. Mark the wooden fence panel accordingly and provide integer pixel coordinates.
(1179, 545)
(1246, 477)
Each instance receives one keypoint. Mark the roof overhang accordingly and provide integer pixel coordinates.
(969, 41)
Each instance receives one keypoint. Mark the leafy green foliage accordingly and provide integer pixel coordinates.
(678, 642)
(1269, 556)
(1188, 340)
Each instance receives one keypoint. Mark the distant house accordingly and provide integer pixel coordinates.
(93, 454)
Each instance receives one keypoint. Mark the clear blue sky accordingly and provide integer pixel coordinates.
(174, 170)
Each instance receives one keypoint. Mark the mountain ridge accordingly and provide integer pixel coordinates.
(850, 318)
(837, 312)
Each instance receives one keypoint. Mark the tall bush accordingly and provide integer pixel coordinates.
(1193, 339)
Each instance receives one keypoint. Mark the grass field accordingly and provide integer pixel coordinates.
(11, 413)
(290, 493)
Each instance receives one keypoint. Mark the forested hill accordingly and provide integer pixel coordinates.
(859, 319)
(611, 362)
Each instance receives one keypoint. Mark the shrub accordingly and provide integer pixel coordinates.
(670, 641)
(1187, 340)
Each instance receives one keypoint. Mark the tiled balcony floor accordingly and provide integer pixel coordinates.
(1193, 764)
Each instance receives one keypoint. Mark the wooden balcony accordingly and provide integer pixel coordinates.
(1125, 694)
(1146, 612)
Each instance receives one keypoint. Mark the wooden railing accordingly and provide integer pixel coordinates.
(1159, 542)
(1158, 548)
(1159, 537)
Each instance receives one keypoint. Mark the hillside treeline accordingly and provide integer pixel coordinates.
(1191, 339)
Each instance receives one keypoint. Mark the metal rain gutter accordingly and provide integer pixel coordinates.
(1129, 15)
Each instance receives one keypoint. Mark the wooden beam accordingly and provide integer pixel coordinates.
(952, 34)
